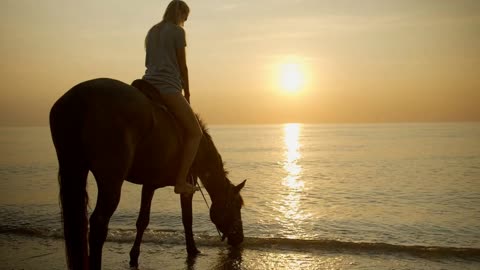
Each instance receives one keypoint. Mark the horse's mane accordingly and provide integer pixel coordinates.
(203, 125)
(211, 145)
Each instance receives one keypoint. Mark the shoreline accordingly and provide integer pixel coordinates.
(28, 252)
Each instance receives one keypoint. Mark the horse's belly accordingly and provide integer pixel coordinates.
(150, 174)
(156, 182)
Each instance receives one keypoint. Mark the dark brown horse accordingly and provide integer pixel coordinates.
(113, 130)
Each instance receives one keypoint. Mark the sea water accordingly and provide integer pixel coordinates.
(362, 195)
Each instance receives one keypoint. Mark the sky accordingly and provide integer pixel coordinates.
(356, 61)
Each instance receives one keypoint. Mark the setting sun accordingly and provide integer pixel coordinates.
(291, 77)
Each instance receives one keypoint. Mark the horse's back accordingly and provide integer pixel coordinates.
(106, 104)
(109, 117)
(106, 93)
(117, 127)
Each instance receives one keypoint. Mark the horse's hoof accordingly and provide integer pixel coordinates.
(133, 265)
(193, 252)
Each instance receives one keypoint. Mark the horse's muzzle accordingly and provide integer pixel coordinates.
(235, 237)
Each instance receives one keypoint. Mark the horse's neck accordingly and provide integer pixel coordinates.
(211, 172)
(217, 190)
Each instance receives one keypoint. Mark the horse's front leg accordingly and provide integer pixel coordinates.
(186, 202)
(142, 223)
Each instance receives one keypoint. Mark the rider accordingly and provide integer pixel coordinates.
(167, 72)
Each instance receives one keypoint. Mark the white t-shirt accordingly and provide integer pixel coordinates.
(162, 43)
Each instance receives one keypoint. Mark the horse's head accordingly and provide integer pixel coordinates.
(226, 199)
(226, 215)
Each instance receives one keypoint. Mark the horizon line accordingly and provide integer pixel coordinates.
(301, 123)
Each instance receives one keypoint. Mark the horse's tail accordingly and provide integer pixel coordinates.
(66, 123)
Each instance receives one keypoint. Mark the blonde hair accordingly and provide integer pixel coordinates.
(172, 14)
(174, 10)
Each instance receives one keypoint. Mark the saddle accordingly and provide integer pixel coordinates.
(149, 91)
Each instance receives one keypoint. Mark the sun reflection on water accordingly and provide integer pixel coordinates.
(290, 202)
(292, 156)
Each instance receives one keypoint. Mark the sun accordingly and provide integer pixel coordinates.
(291, 77)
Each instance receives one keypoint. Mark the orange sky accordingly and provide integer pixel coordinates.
(361, 61)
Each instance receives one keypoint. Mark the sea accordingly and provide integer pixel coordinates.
(326, 196)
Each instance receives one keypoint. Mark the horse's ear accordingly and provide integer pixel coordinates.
(240, 186)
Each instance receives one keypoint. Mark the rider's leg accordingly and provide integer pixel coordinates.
(179, 106)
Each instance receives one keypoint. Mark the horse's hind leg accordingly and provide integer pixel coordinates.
(142, 223)
(109, 190)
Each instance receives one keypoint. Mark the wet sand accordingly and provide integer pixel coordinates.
(23, 252)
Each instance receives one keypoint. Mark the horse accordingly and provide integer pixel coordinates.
(119, 133)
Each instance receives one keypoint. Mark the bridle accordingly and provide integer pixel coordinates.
(227, 204)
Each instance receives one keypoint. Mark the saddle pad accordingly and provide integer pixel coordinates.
(148, 90)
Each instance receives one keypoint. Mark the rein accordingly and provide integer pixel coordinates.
(206, 202)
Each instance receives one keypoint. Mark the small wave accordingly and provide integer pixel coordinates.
(343, 246)
(30, 231)
(175, 237)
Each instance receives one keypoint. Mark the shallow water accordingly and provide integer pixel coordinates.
(343, 189)
(47, 254)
